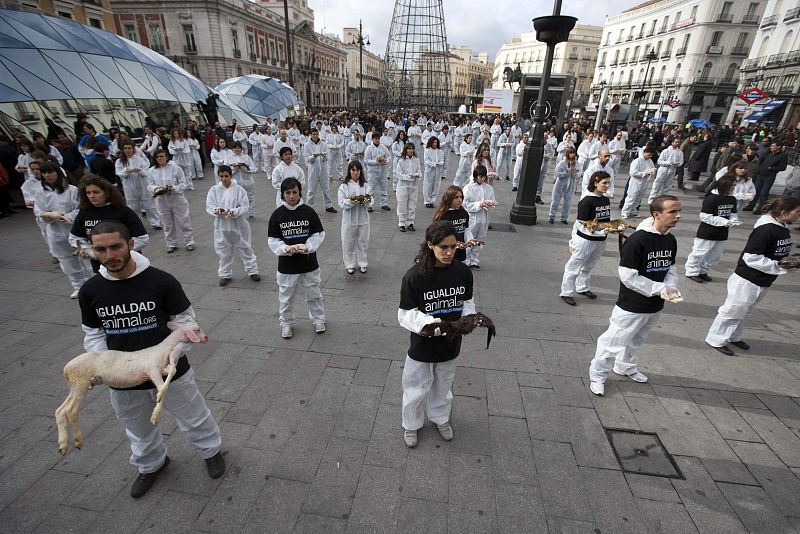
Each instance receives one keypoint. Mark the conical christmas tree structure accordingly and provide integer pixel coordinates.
(417, 64)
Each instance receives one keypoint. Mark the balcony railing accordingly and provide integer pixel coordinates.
(792, 58)
(264, 60)
(601, 64)
(630, 38)
(573, 56)
(739, 51)
(770, 21)
(237, 53)
(252, 57)
(662, 29)
(792, 14)
(641, 34)
(189, 49)
(724, 17)
(650, 33)
(776, 59)
(729, 81)
(619, 40)
(613, 63)
(750, 19)
(681, 51)
(714, 50)
(666, 54)
(668, 81)
(705, 80)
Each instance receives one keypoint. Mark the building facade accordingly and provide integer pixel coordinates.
(372, 74)
(773, 65)
(220, 39)
(576, 57)
(697, 48)
(470, 74)
(95, 13)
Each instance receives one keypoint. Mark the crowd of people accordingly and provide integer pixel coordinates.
(90, 195)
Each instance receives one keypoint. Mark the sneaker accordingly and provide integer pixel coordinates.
(588, 294)
(636, 376)
(170, 250)
(723, 349)
(54, 260)
(216, 465)
(224, 282)
(446, 431)
(369, 209)
(564, 222)
(514, 188)
(255, 277)
(386, 208)
(156, 227)
(552, 220)
(145, 481)
(190, 247)
(402, 228)
(319, 328)
(74, 294)
(598, 388)
(350, 270)
(411, 228)
(410, 438)
(741, 344)
(331, 210)
(538, 198)
(286, 332)
(705, 277)
(698, 279)
(569, 300)
(363, 269)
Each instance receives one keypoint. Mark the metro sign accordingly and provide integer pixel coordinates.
(752, 95)
(674, 103)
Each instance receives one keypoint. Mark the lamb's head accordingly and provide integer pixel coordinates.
(190, 332)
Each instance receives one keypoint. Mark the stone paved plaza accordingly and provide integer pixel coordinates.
(311, 425)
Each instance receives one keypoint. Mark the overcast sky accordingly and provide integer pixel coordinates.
(484, 26)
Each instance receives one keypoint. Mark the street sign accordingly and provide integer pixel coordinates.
(752, 95)
(674, 103)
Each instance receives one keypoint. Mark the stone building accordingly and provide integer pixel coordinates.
(373, 70)
(469, 75)
(96, 13)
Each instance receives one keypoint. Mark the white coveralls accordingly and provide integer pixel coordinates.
(355, 150)
(474, 193)
(173, 209)
(627, 331)
(218, 158)
(494, 137)
(378, 173)
(231, 232)
(585, 254)
(707, 252)
(182, 156)
(387, 142)
(446, 144)
(668, 162)
(434, 163)
(268, 156)
(505, 149)
(57, 232)
(254, 140)
(288, 283)
(520, 152)
(744, 191)
(593, 168)
(397, 151)
(355, 224)
(244, 177)
(566, 177)
(408, 173)
(137, 196)
(316, 156)
(617, 149)
(561, 150)
(241, 136)
(194, 152)
(414, 134)
(282, 172)
(549, 155)
(335, 142)
(584, 154)
(427, 382)
(464, 169)
(29, 188)
(639, 174)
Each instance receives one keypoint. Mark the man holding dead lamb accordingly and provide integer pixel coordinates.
(126, 307)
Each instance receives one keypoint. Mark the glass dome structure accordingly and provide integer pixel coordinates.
(56, 68)
(261, 96)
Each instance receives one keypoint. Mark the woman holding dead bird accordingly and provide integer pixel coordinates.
(436, 293)
(355, 196)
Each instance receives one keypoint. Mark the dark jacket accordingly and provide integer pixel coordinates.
(699, 159)
(72, 156)
(772, 163)
(104, 168)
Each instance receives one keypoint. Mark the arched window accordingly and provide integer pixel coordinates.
(663, 73)
(677, 70)
(762, 49)
(641, 73)
(787, 41)
(731, 73)
(630, 76)
(706, 72)
(611, 79)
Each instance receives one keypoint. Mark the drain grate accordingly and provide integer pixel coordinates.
(642, 453)
(503, 227)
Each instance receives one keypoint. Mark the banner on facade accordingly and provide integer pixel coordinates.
(496, 101)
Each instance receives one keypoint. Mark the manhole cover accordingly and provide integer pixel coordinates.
(503, 227)
(642, 453)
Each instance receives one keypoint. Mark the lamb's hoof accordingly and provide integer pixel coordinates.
(78, 444)
(154, 419)
(62, 450)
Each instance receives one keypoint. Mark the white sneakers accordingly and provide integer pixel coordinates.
(74, 294)
(598, 388)
(636, 376)
(286, 332)
(446, 431)
(319, 328)
(410, 438)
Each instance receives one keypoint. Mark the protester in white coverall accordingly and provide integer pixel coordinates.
(218, 155)
(398, 146)
(254, 147)
(287, 168)
(668, 162)
(642, 169)
(335, 142)
(601, 163)
(478, 200)
(55, 204)
(268, 154)
(315, 152)
(520, 152)
(617, 148)
(756, 270)
(466, 151)
(414, 133)
(227, 203)
(563, 146)
(408, 172)
(377, 159)
(585, 151)
(241, 136)
(132, 168)
(504, 152)
(549, 155)
(194, 153)
(354, 150)
(434, 163)
(567, 173)
(182, 155)
(167, 178)
(355, 218)
(446, 144)
(243, 168)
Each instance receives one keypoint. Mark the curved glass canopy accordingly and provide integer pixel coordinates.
(261, 96)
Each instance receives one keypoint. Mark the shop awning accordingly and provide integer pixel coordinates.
(768, 108)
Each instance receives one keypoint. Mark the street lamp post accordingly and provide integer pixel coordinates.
(601, 106)
(651, 56)
(550, 30)
(288, 42)
(360, 40)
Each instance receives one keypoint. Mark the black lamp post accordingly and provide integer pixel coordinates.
(360, 40)
(551, 30)
(651, 56)
(288, 42)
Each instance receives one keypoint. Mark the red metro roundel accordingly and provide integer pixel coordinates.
(752, 95)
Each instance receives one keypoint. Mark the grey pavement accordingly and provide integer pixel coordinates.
(311, 426)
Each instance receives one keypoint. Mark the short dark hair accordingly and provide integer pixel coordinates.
(284, 150)
(657, 205)
(110, 226)
(291, 183)
(479, 170)
(225, 168)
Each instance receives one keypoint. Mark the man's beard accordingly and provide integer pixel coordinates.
(125, 261)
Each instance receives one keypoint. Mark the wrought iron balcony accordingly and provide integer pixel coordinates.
(725, 17)
(750, 19)
(776, 59)
(714, 50)
(681, 51)
(187, 49)
(740, 51)
(792, 14)
(772, 20)
(666, 53)
(237, 53)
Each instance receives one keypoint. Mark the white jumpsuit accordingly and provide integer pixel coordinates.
(593, 168)
(173, 209)
(707, 252)
(474, 193)
(668, 162)
(355, 224)
(268, 155)
(282, 172)
(137, 196)
(434, 163)
(378, 173)
(566, 176)
(335, 142)
(244, 177)
(231, 233)
(316, 156)
(464, 170)
(505, 148)
(639, 174)
(218, 158)
(241, 137)
(408, 173)
(254, 140)
(584, 256)
(194, 152)
(182, 156)
(617, 149)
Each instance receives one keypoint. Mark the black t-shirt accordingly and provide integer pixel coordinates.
(718, 206)
(770, 240)
(442, 297)
(294, 227)
(91, 217)
(593, 207)
(651, 254)
(134, 312)
(460, 219)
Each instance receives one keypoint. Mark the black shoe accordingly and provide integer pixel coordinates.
(476, 267)
(513, 188)
(145, 481)
(588, 294)
(170, 250)
(697, 279)
(386, 208)
(216, 465)
(224, 281)
(539, 200)
(551, 220)
(411, 228)
(741, 344)
(255, 277)
(402, 228)
(508, 179)
(564, 222)
(369, 209)
(569, 300)
(723, 349)
(490, 227)
(331, 210)
(705, 277)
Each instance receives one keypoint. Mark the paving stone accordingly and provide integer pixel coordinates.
(512, 457)
(665, 518)
(652, 488)
(334, 486)
(566, 358)
(784, 408)
(313, 524)
(372, 372)
(331, 391)
(304, 377)
(740, 399)
(545, 416)
(565, 494)
(503, 394)
(175, 511)
(612, 503)
(304, 450)
(29, 468)
(35, 503)
(253, 402)
(231, 385)
(216, 365)
(755, 509)
(282, 361)
(462, 519)
(534, 380)
(775, 434)
(570, 391)
(280, 421)
(589, 442)
(96, 491)
(386, 447)
(470, 420)
(780, 483)
(427, 468)
(612, 409)
(418, 515)
(470, 382)
(18, 442)
(706, 505)
(277, 507)
(471, 482)
(723, 416)
(519, 509)
(357, 416)
(98, 445)
(376, 507)
(393, 387)
(66, 519)
(561, 525)
(344, 361)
